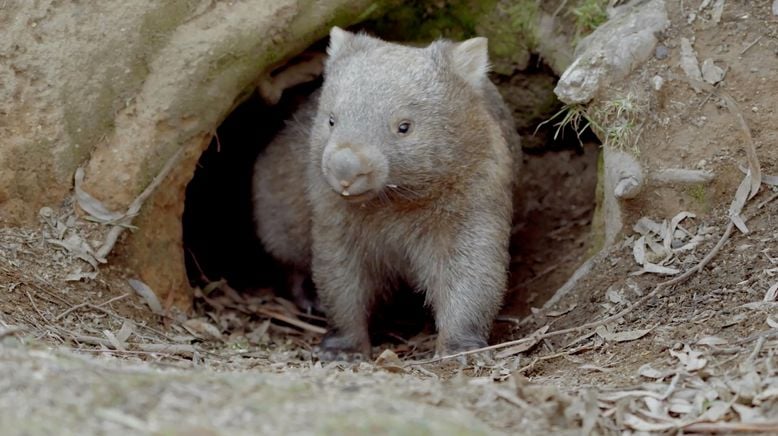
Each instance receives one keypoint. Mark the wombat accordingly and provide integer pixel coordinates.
(281, 210)
(409, 172)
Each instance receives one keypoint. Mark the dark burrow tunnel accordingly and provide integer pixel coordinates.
(551, 235)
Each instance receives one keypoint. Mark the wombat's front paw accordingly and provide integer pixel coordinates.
(447, 347)
(338, 347)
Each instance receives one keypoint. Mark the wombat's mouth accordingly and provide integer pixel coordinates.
(359, 198)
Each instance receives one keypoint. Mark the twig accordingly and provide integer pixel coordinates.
(79, 306)
(289, 320)
(34, 306)
(203, 277)
(536, 360)
(748, 47)
(769, 199)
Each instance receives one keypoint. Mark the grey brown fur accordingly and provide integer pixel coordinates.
(281, 210)
(412, 182)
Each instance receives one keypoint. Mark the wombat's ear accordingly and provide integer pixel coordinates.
(470, 60)
(338, 38)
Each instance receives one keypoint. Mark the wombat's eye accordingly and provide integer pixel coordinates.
(404, 128)
(332, 120)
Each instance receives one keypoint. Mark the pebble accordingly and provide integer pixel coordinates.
(658, 81)
(661, 51)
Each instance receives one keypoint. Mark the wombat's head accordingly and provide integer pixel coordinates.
(394, 118)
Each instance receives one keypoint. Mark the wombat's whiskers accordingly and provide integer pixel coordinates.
(402, 192)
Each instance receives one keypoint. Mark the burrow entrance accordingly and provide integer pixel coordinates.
(550, 239)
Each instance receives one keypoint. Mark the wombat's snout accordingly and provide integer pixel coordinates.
(348, 172)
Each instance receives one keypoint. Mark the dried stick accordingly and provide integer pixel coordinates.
(79, 306)
(293, 321)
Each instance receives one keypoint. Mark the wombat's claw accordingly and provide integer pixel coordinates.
(337, 347)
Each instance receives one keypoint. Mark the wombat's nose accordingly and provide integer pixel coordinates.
(347, 173)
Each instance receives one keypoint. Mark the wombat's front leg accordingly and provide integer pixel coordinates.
(466, 293)
(346, 293)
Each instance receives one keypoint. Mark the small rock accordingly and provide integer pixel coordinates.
(711, 73)
(689, 63)
(661, 52)
(775, 7)
(657, 81)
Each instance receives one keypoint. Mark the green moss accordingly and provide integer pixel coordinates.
(512, 33)
(699, 194)
(511, 26)
(589, 14)
(421, 21)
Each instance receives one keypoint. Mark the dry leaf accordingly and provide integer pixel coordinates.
(639, 424)
(649, 267)
(718, 10)
(389, 361)
(668, 236)
(595, 368)
(556, 313)
(258, 335)
(716, 411)
(747, 414)
(78, 247)
(615, 396)
(639, 250)
(681, 407)
(646, 225)
(533, 339)
(689, 63)
(690, 359)
(148, 295)
(649, 372)
(711, 341)
(772, 293)
(767, 394)
(78, 275)
(201, 328)
(741, 196)
(115, 343)
(625, 336)
(91, 205)
(128, 328)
